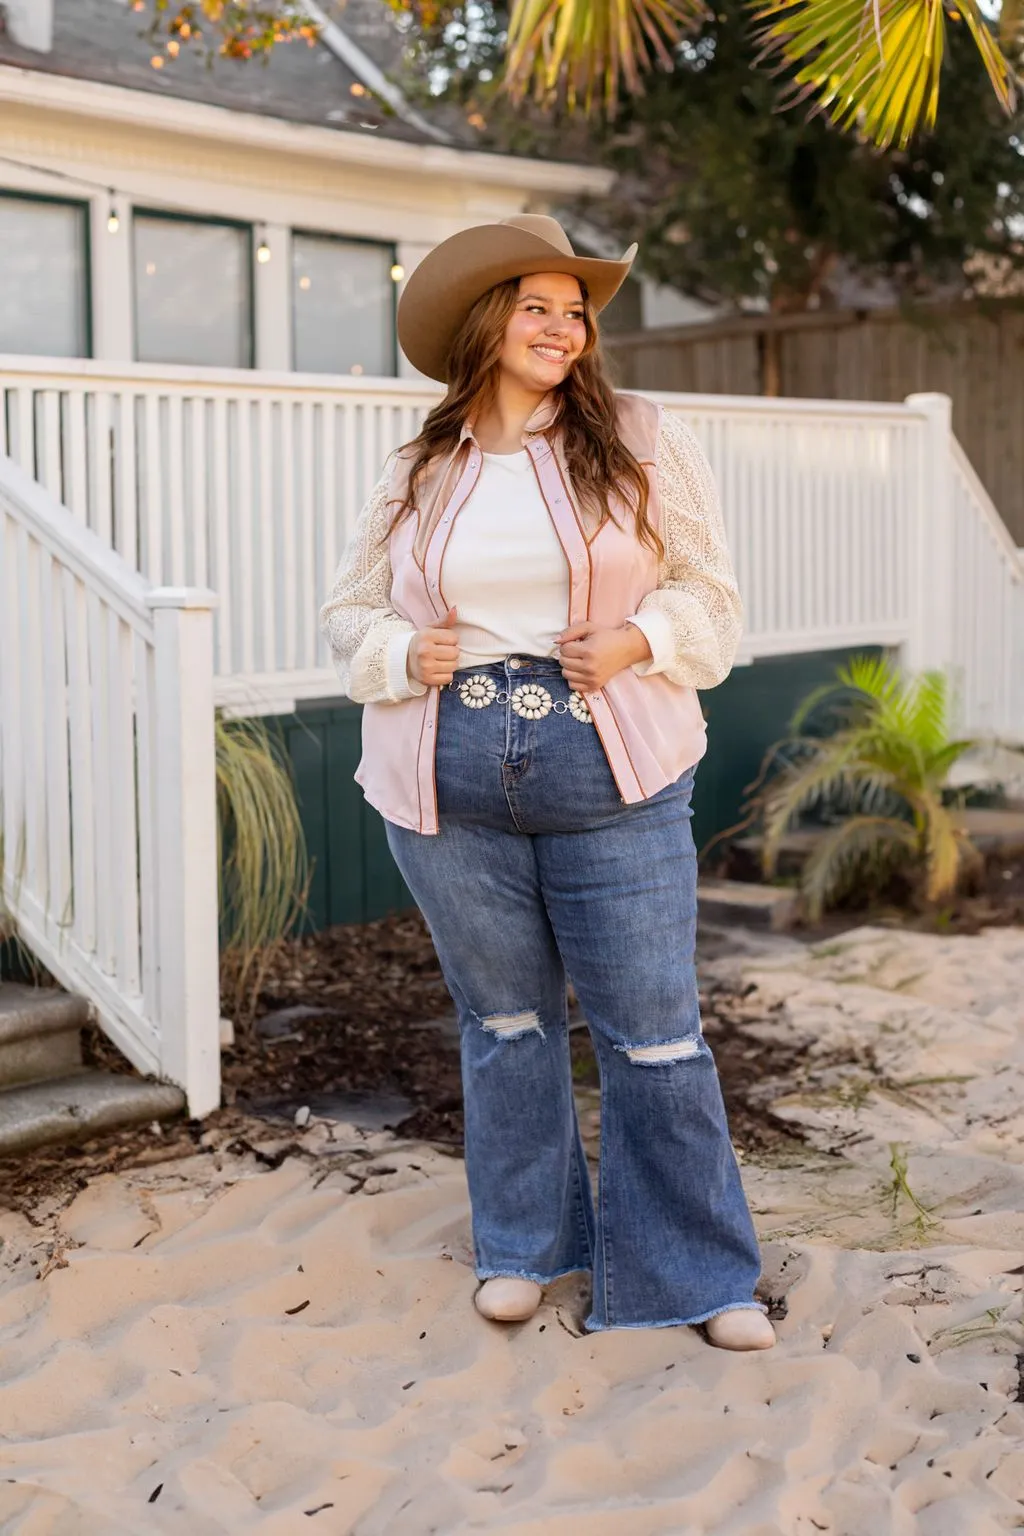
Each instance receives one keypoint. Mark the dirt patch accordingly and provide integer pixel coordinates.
(997, 902)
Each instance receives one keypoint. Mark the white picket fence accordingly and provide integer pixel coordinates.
(106, 785)
(128, 491)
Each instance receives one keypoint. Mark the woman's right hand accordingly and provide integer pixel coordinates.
(434, 653)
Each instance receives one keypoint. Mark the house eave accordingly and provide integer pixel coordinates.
(196, 120)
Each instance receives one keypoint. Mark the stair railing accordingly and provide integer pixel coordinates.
(108, 839)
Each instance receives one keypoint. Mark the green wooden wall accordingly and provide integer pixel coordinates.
(354, 877)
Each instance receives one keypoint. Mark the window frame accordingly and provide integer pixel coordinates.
(178, 216)
(336, 239)
(84, 205)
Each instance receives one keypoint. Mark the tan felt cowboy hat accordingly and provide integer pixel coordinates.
(447, 283)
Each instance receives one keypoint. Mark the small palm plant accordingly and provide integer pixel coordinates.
(879, 782)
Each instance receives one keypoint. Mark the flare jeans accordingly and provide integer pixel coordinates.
(539, 871)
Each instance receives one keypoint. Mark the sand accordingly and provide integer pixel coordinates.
(209, 1346)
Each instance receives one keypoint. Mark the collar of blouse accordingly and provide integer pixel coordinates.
(541, 419)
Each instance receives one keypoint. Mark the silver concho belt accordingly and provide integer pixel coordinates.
(529, 700)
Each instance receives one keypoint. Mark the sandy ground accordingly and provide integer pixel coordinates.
(210, 1346)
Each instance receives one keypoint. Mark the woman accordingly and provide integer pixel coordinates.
(531, 596)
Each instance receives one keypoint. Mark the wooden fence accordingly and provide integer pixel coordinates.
(975, 355)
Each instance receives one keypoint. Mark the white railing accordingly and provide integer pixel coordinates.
(818, 501)
(251, 484)
(846, 519)
(107, 815)
(988, 612)
(247, 483)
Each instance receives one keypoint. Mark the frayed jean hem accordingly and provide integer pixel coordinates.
(592, 1326)
(530, 1274)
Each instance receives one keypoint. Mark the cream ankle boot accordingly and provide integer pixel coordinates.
(508, 1300)
(743, 1328)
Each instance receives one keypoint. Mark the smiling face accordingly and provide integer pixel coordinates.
(547, 333)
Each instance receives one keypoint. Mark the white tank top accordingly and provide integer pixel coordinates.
(504, 569)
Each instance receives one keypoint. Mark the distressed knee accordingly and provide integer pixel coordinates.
(512, 1026)
(664, 1054)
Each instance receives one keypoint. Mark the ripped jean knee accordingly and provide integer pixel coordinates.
(665, 1053)
(512, 1026)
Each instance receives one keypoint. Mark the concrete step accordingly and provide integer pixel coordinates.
(747, 905)
(40, 1033)
(81, 1105)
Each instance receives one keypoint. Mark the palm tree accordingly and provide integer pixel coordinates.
(872, 65)
(875, 64)
(878, 782)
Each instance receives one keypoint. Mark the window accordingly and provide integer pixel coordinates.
(193, 292)
(343, 303)
(44, 277)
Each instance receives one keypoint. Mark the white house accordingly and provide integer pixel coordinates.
(247, 216)
(239, 216)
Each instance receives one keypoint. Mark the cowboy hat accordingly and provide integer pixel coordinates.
(447, 283)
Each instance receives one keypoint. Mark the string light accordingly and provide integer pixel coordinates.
(397, 272)
(263, 250)
(113, 222)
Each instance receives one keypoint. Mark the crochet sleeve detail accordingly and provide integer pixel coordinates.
(696, 589)
(358, 620)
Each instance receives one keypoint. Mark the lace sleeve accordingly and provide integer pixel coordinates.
(366, 636)
(696, 591)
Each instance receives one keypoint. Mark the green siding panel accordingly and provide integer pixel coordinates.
(354, 877)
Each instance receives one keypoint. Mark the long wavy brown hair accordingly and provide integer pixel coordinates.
(599, 463)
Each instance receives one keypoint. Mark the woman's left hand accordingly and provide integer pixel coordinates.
(590, 655)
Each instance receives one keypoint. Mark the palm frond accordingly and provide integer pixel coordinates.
(875, 64)
(928, 720)
(582, 52)
(861, 681)
(942, 845)
(832, 773)
(941, 760)
(877, 677)
(873, 845)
